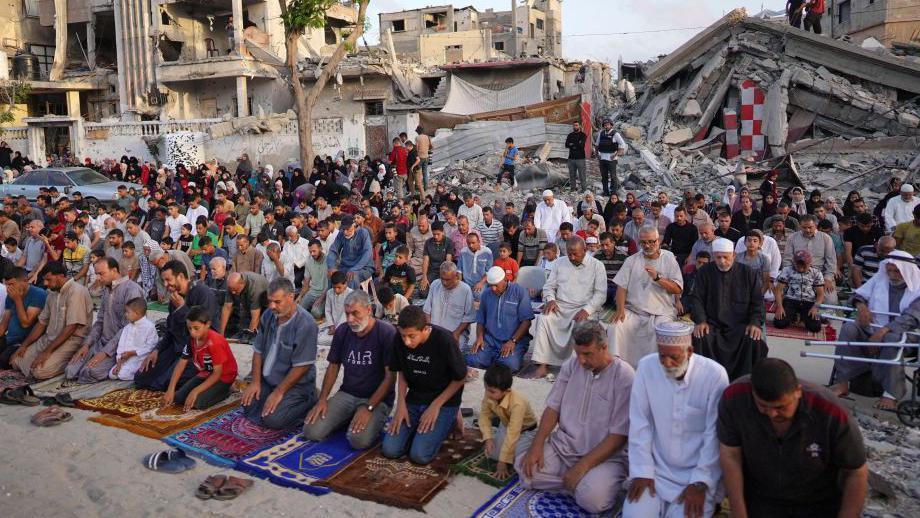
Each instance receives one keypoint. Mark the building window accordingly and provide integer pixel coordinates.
(372, 108)
(499, 45)
(843, 12)
(540, 23)
(45, 55)
(329, 33)
(164, 17)
(30, 7)
(398, 25)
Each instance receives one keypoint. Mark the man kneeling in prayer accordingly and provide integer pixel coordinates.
(580, 445)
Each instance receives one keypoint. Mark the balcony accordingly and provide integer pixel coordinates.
(214, 68)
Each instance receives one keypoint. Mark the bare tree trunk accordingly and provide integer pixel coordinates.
(60, 41)
(305, 101)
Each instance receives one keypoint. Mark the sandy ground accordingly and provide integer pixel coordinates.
(83, 469)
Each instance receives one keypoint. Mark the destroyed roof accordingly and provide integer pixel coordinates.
(508, 63)
(821, 50)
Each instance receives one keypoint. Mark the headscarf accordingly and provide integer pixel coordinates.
(729, 197)
(875, 290)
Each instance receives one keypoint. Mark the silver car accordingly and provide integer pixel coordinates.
(95, 187)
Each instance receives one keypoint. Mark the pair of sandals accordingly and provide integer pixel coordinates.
(222, 487)
(169, 461)
(19, 396)
(51, 416)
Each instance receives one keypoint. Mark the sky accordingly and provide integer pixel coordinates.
(587, 24)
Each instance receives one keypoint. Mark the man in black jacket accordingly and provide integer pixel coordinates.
(575, 142)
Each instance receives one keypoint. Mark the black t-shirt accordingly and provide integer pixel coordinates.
(859, 238)
(411, 157)
(679, 238)
(803, 466)
(431, 367)
(364, 358)
(400, 277)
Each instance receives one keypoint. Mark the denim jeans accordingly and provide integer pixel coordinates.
(421, 447)
(490, 354)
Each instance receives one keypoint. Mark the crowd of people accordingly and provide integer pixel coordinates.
(647, 314)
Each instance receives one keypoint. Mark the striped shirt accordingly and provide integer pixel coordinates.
(491, 233)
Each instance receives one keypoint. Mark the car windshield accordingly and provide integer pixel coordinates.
(87, 177)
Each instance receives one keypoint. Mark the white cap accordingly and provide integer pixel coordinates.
(495, 275)
(591, 240)
(547, 193)
(722, 245)
(907, 188)
(674, 333)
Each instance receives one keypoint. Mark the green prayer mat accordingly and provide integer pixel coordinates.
(482, 467)
(156, 306)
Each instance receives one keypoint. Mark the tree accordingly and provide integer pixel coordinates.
(298, 16)
(11, 94)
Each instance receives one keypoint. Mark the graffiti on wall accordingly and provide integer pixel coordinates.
(183, 147)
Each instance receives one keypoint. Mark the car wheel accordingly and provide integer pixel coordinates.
(91, 204)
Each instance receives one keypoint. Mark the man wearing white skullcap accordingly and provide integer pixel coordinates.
(901, 209)
(727, 308)
(502, 323)
(673, 448)
(550, 214)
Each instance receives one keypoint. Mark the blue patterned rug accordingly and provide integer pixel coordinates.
(298, 463)
(513, 501)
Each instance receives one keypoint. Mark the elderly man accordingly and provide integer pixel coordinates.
(589, 215)
(900, 209)
(352, 252)
(450, 304)
(415, 240)
(727, 308)
(789, 447)
(184, 294)
(277, 263)
(502, 324)
(473, 263)
(893, 291)
(649, 285)
(550, 214)
(243, 308)
(821, 247)
(707, 233)
(247, 258)
(362, 404)
(631, 230)
(209, 252)
(96, 357)
(62, 325)
(283, 387)
(673, 450)
(217, 281)
(297, 250)
(580, 444)
(867, 258)
(575, 290)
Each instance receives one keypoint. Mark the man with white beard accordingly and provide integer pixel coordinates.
(727, 308)
(647, 284)
(673, 448)
(893, 292)
(550, 214)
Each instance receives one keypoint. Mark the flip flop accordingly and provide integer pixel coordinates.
(20, 396)
(210, 486)
(51, 416)
(232, 488)
(168, 461)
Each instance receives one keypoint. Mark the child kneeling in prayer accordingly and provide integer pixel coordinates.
(517, 423)
(211, 355)
(137, 340)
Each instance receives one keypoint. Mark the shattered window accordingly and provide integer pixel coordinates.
(398, 25)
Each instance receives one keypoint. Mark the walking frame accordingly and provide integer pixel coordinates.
(908, 411)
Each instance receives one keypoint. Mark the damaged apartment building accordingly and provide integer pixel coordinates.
(748, 94)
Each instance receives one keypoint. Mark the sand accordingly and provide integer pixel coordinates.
(84, 469)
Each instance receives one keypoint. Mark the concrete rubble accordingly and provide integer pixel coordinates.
(893, 452)
(742, 97)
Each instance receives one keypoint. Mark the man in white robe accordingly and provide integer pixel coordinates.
(673, 447)
(576, 289)
(647, 285)
(550, 214)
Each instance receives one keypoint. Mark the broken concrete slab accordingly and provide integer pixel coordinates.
(692, 109)
(658, 112)
(678, 136)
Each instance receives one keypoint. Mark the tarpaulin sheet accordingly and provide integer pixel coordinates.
(466, 98)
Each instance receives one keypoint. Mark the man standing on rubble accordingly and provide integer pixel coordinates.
(794, 10)
(609, 146)
(575, 142)
(812, 19)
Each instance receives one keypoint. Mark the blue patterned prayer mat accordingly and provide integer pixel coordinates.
(298, 463)
(228, 438)
(513, 501)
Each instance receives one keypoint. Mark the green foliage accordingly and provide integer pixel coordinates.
(11, 94)
(301, 14)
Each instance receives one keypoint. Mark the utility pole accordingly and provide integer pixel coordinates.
(514, 34)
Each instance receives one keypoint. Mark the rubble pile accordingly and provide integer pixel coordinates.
(893, 453)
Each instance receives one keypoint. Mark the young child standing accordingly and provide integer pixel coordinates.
(506, 262)
(210, 353)
(335, 301)
(517, 423)
(129, 260)
(186, 239)
(138, 339)
(400, 275)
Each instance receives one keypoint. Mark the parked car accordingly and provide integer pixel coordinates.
(95, 187)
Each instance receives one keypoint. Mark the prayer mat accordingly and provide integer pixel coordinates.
(482, 467)
(800, 333)
(228, 438)
(160, 422)
(513, 501)
(299, 463)
(399, 482)
(125, 402)
(77, 391)
(156, 306)
(10, 379)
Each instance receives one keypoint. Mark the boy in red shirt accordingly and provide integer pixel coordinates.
(211, 355)
(399, 158)
(506, 262)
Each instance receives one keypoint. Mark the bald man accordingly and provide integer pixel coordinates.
(246, 299)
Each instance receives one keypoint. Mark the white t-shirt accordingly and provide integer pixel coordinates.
(175, 226)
